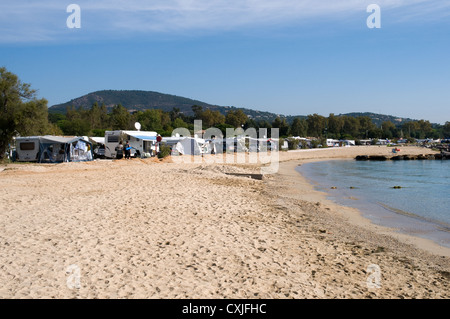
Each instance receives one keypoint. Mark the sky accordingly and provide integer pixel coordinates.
(291, 57)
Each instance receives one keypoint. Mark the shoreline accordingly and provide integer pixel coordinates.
(346, 228)
(356, 217)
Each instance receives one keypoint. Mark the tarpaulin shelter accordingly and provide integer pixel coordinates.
(56, 149)
(190, 146)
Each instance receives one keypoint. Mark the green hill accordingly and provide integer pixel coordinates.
(131, 99)
(135, 100)
(377, 119)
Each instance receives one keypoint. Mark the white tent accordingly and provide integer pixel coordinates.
(190, 146)
(54, 149)
(98, 140)
(171, 141)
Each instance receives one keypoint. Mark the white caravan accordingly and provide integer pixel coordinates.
(143, 143)
(27, 149)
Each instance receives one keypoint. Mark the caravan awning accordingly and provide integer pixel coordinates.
(98, 140)
(142, 137)
(58, 139)
(72, 149)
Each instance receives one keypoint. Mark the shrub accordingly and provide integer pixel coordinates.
(315, 143)
(292, 144)
(164, 151)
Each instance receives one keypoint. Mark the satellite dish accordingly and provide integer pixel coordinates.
(137, 125)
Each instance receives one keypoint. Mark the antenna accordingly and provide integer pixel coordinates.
(137, 125)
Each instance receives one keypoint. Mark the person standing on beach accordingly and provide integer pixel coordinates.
(119, 150)
(212, 145)
(127, 150)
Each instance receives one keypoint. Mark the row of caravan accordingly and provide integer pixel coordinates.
(56, 149)
(146, 144)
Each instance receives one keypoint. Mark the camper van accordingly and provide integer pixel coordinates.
(143, 143)
(27, 149)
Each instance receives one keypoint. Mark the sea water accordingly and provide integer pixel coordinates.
(420, 207)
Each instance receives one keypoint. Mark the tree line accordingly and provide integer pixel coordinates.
(97, 119)
(23, 114)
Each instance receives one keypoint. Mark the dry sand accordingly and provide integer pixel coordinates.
(150, 229)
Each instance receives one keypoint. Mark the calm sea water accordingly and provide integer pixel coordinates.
(421, 206)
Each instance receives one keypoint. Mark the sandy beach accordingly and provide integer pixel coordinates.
(161, 229)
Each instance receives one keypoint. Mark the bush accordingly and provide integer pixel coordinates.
(223, 128)
(98, 132)
(164, 133)
(292, 144)
(315, 143)
(164, 151)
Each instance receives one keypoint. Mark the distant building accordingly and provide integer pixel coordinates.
(340, 143)
(383, 142)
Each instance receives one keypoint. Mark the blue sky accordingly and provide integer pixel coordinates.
(293, 57)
